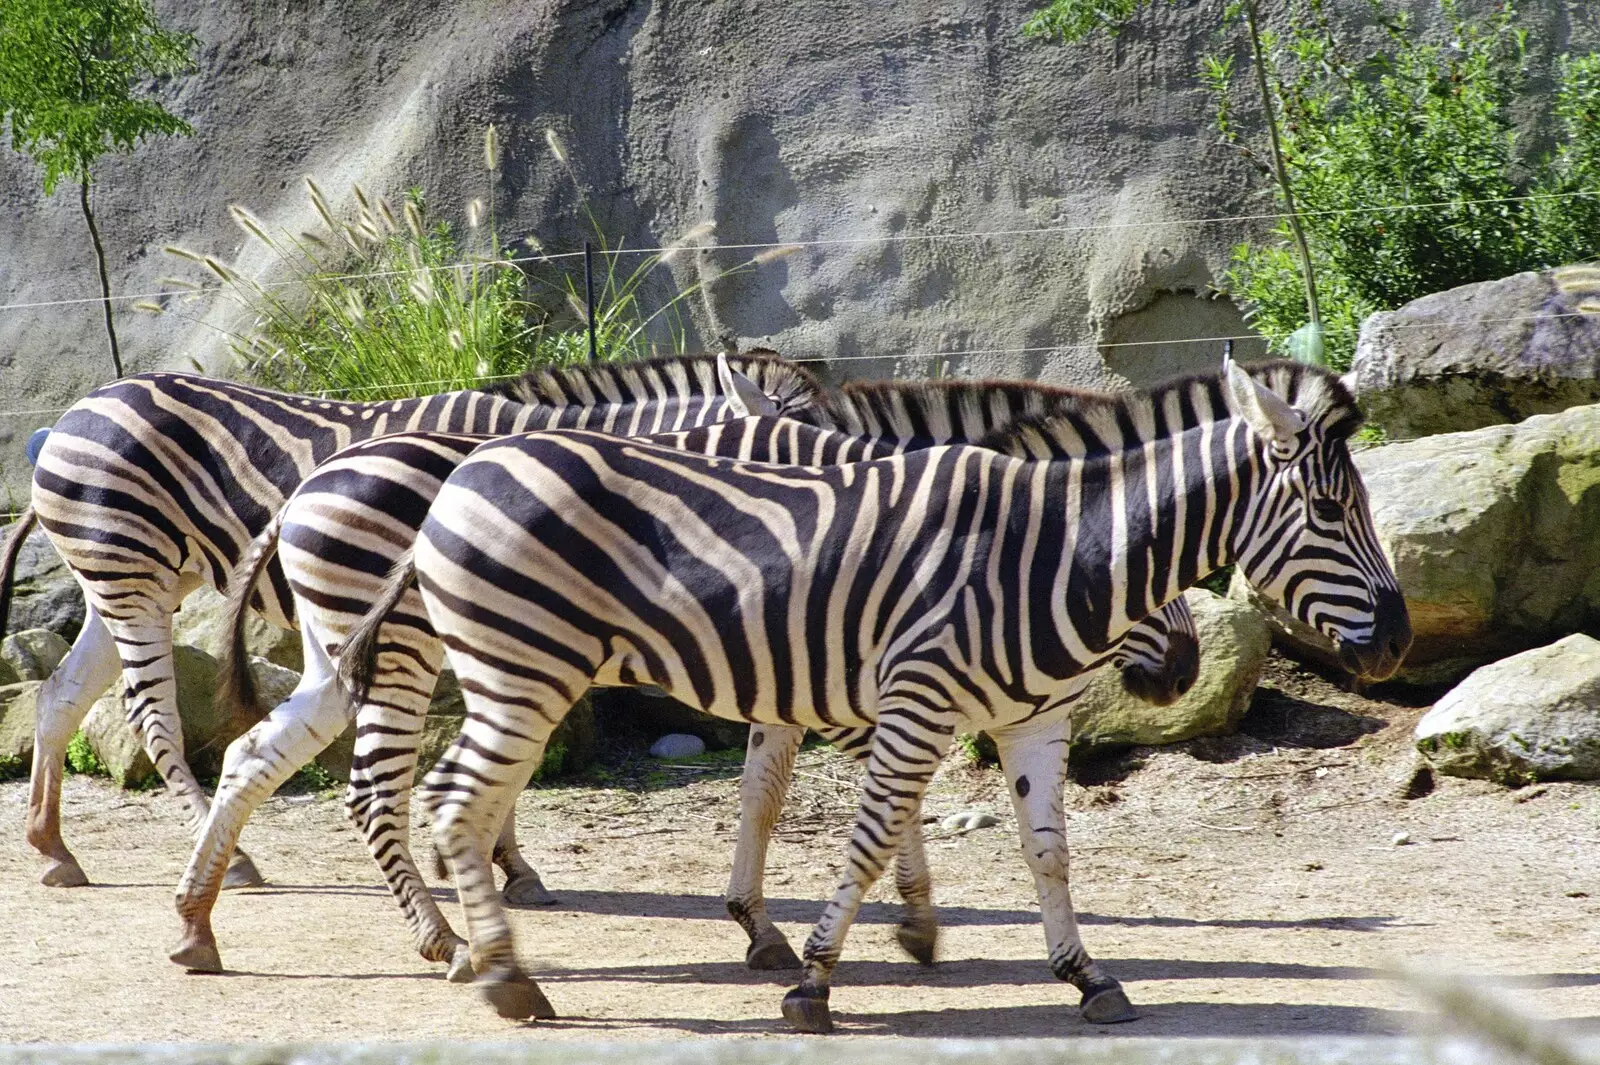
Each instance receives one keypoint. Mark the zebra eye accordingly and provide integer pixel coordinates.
(1327, 511)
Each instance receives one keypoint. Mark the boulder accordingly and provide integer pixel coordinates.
(1533, 716)
(202, 622)
(44, 593)
(33, 654)
(1494, 535)
(1483, 354)
(17, 703)
(1234, 640)
(649, 712)
(206, 731)
(677, 745)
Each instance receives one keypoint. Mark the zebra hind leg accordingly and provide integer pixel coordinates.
(255, 765)
(378, 801)
(63, 702)
(1034, 756)
(471, 792)
(918, 934)
(906, 749)
(768, 767)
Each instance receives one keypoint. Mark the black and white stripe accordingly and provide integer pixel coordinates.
(152, 486)
(945, 588)
(338, 537)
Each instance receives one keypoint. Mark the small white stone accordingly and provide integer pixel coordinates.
(1401, 839)
(967, 820)
(677, 745)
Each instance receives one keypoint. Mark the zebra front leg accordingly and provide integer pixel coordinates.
(768, 766)
(1034, 755)
(252, 769)
(63, 702)
(148, 669)
(906, 748)
(918, 934)
(470, 794)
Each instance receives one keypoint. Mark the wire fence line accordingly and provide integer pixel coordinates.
(955, 353)
(882, 238)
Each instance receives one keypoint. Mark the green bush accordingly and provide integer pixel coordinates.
(376, 306)
(82, 759)
(1424, 133)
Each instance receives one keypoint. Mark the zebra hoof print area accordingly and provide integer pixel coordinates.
(64, 874)
(920, 941)
(527, 891)
(807, 1010)
(766, 955)
(515, 996)
(1107, 1005)
(460, 971)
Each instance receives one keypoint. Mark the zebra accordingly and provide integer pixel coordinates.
(950, 586)
(151, 486)
(338, 536)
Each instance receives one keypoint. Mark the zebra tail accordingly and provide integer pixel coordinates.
(358, 655)
(8, 561)
(236, 685)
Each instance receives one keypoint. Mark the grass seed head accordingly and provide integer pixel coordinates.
(491, 148)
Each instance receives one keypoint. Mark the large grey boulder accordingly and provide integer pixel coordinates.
(202, 622)
(1533, 716)
(44, 593)
(1483, 354)
(17, 706)
(1494, 536)
(33, 654)
(1234, 641)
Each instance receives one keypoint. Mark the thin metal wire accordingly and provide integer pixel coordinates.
(884, 238)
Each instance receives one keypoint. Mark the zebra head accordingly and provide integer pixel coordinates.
(1309, 541)
(1160, 657)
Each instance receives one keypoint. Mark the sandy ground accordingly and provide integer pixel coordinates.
(1247, 886)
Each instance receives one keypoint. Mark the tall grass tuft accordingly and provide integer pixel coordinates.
(377, 305)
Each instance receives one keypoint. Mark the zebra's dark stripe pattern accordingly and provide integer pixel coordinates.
(152, 486)
(338, 537)
(952, 587)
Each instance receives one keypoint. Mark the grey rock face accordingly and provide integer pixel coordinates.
(1234, 640)
(202, 623)
(1483, 354)
(17, 705)
(44, 593)
(1494, 535)
(33, 654)
(1533, 716)
(779, 122)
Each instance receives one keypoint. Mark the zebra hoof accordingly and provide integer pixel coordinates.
(771, 952)
(515, 997)
(921, 942)
(1107, 1005)
(460, 971)
(64, 873)
(198, 954)
(806, 1010)
(527, 890)
(242, 873)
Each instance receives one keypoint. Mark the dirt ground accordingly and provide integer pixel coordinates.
(1245, 886)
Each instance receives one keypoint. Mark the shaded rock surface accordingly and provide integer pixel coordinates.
(1483, 354)
(1533, 716)
(44, 594)
(1494, 535)
(33, 654)
(1234, 641)
(17, 717)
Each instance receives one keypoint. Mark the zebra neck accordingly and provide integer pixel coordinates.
(1143, 524)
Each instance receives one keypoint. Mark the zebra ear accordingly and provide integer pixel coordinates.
(743, 395)
(1271, 416)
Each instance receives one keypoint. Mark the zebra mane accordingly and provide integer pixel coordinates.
(967, 410)
(791, 388)
(1085, 422)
